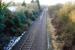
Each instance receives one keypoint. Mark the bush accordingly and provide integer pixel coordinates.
(64, 23)
(13, 24)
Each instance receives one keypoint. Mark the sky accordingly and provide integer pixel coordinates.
(44, 2)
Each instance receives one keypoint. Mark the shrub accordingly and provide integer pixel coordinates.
(13, 24)
(64, 23)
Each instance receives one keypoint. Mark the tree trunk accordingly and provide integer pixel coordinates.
(0, 2)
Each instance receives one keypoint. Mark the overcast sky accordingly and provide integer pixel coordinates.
(44, 2)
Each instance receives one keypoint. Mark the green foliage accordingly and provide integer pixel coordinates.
(14, 24)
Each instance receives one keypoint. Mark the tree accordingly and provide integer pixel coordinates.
(32, 1)
(38, 4)
(0, 2)
(24, 4)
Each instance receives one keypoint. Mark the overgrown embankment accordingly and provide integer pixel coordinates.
(64, 23)
(14, 24)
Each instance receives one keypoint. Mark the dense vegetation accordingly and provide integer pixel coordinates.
(14, 24)
(64, 23)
